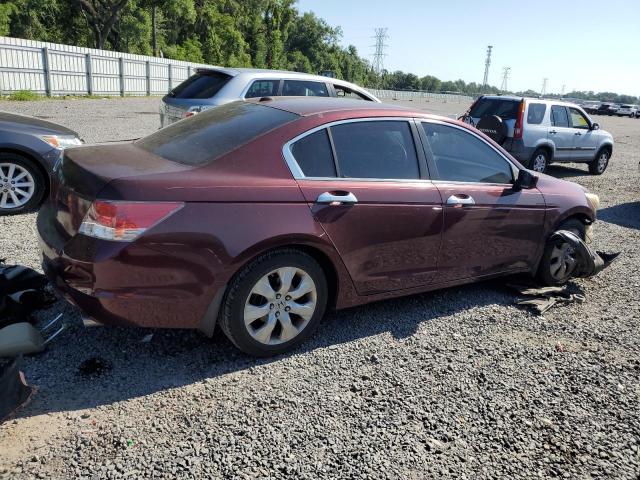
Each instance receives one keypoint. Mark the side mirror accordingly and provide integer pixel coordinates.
(525, 180)
(595, 126)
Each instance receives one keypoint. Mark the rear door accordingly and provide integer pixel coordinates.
(489, 227)
(367, 184)
(585, 142)
(561, 133)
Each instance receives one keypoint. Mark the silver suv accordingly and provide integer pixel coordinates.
(210, 87)
(539, 132)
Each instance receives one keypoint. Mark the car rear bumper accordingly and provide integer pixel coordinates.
(137, 286)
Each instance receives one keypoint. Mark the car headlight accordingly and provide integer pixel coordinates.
(593, 200)
(61, 141)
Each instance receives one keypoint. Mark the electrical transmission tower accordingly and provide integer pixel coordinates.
(543, 90)
(378, 57)
(505, 77)
(562, 91)
(487, 63)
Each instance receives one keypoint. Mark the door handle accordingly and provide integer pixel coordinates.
(337, 198)
(577, 133)
(461, 199)
(553, 132)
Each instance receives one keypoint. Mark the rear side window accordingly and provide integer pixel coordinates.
(201, 85)
(506, 109)
(209, 135)
(314, 156)
(375, 149)
(303, 88)
(559, 116)
(536, 113)
(263, 88)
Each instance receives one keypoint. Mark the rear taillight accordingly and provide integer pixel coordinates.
(124, 221)
(517, 129)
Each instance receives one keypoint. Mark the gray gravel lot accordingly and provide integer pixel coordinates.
(453, 384)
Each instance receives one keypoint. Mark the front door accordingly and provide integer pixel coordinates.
(585, 142)
(561, 133)
(489, 227)
(365, 182)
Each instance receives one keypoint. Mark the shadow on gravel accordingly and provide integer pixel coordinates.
(176, 358)
(625, 215)
(566, 171)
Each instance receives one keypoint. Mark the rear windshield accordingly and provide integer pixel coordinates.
(209, 135)
(201, 85)
(503, 108)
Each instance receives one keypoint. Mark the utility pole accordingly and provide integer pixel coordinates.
(487, 63)
(378, 57)
(505, 77)
(543, 90)
(562, 91)
(154, 29)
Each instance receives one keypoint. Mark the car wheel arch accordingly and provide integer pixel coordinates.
(548, 147)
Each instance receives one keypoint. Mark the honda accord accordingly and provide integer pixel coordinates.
(258, 216)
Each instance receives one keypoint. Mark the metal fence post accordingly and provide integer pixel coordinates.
(121, 76)
(47, 71)
(169, 78)
(89, 68)
(188, 71)
(148, 67)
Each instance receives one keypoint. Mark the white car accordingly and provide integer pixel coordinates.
(628, 111)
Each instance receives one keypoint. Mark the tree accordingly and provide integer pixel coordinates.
(101, 15)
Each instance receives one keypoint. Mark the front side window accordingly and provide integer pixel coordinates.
(578, 120)
(460, 156)
(375, 149)
(344, 92)
(313, 155)
(559, 116)
(304, 88)
(263, 88)
(536, 113)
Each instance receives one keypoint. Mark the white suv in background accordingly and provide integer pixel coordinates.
(629, 111)
(210, 87)
(539, 132)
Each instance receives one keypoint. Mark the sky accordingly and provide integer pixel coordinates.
(586, 45)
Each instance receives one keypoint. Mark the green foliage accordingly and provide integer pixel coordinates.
(24, 96)
(235, 33)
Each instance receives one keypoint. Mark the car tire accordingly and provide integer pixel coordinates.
(27, 190)
(600, 163)
(253, 292)
(539, 161)
(550, 271)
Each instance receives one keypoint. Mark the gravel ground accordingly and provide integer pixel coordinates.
(453, 384)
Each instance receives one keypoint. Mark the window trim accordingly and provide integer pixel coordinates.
(298, 174)
(433, 168)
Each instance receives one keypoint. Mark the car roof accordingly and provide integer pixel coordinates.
(307, 106)
(548, 101)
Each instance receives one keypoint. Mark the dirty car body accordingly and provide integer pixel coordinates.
(383, 199)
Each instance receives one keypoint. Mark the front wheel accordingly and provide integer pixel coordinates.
(539, 161)
(558, 260)
(599, 165)
(275, 303)
(22, 185)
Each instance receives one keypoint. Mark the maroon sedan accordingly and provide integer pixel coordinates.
(257, 216)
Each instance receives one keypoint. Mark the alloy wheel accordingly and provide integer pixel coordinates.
(562, 261)
(539, 163)
(603, 159)
(17, 185)
(280, 305)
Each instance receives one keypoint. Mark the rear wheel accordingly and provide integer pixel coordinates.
(22, 185)
(539, 161)
(599, 165)
(275, 303)
(558, 260)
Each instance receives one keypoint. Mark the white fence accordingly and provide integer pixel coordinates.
(54, 69)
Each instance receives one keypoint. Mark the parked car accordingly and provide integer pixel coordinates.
(539, 132)
(628, 111)
(210, 87)
(257, 216)
(607, 109)
(29, 147)
(590, 106)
